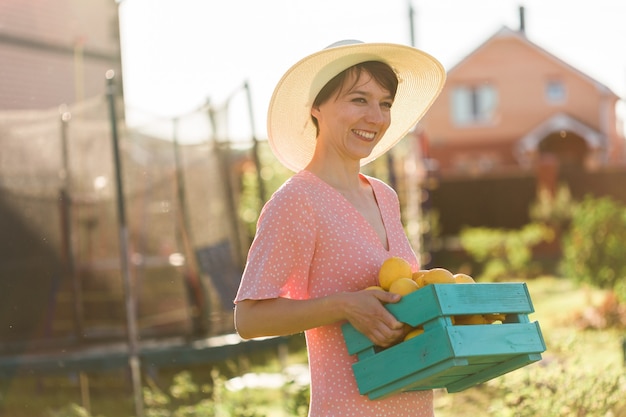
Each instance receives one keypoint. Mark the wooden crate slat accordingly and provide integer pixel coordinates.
(493, 372)
(402, 360)
(449, 356)
(495, 339)
(428, 378)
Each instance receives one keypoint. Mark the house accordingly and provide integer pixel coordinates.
(512, 106)
(513, 120)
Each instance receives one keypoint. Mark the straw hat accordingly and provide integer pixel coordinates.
(291, 131)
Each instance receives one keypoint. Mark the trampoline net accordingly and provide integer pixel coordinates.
(60, 269)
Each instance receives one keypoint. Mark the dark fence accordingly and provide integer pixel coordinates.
(609, 182)
(504, 201)
(490, 202)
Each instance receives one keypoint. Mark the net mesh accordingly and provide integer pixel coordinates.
(60, 256)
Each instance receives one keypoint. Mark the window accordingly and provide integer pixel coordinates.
(474, 104)
(555, 91)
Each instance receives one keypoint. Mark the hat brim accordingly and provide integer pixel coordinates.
(291, 133)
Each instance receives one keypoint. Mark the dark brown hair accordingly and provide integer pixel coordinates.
(382, 73)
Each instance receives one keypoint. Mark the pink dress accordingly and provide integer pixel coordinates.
(311, 242)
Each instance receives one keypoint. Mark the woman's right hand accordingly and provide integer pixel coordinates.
(365, 310)
(281, 316)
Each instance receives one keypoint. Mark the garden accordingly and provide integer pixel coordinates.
(580, 304)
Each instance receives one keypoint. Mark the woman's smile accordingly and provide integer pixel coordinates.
(364, 134)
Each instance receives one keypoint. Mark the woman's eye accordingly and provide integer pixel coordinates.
(387, 105)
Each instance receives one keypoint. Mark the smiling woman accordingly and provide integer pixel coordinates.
(323, 235)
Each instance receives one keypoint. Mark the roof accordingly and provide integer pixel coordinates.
(506, 32)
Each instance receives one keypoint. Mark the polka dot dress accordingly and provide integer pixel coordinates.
(311, 242)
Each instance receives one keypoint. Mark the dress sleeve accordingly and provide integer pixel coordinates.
(281, 253)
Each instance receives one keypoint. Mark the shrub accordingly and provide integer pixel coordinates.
(553, 209)
(504, 253)
(594, 248)
(559, 389)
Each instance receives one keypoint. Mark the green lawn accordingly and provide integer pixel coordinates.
(582, 355)
(557, 302)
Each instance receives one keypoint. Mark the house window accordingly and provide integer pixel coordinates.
(555, 91)
(474, 104)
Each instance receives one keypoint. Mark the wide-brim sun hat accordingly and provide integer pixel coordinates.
(291, 132)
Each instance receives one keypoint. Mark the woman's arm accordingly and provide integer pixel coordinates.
(282, 316)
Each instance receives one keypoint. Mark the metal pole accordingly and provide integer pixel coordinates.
(422, 205)
(68, 252)
(412, 22)
(68, 247)
(255, 146)
(129, 288)
(222, 154)
(420, 208)
(201, 310)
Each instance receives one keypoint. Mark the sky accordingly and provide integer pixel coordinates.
(177, 55)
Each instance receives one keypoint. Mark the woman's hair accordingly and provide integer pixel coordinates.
(382, 73)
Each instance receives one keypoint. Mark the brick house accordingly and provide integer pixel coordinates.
(513, 119)
(510, 105)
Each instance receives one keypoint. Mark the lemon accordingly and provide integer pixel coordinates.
(392, 269)
(470, 319)
(493, 317)
(403, 286)
(415, 332)
(463, 279)
(418, 277)
(438, 276)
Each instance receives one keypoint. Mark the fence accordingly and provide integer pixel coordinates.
(59, 253)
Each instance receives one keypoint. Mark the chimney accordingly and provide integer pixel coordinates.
(522, 23)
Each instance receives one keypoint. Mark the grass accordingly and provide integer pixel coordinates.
(557, 303)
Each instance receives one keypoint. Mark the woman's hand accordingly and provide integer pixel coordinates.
(365, 310)
(281, 316)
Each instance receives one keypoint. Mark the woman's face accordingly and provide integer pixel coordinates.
(354, 120)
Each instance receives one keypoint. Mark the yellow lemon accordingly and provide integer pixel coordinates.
(415, 332)
(493, 317)
(403, 286)
(463, 279)
(438, 276)
(375, 287)
(418, 277)
(392, 269)
(470, 319)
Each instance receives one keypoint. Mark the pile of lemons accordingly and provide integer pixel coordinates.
(395, 276)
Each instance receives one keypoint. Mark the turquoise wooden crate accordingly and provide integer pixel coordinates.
(449, 356)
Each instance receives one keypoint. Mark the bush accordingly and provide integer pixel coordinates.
(553, 209)
(504, 253)
(594, 247)
(559, 389)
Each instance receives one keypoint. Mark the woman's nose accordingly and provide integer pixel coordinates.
(375, 114)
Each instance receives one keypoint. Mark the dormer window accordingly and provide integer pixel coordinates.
(474, 104)
(555, 91)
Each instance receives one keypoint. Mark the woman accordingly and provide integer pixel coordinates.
(323, 235)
